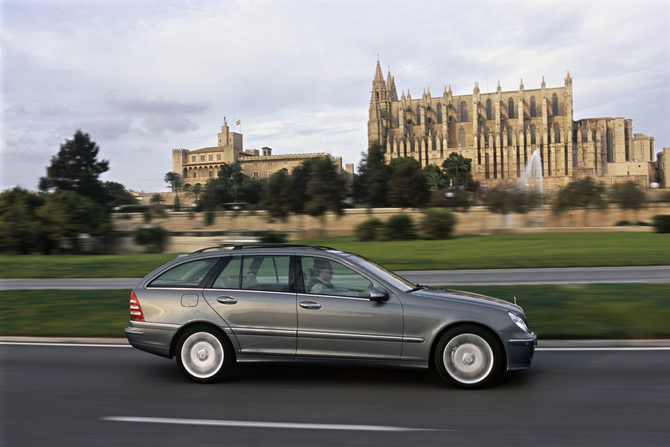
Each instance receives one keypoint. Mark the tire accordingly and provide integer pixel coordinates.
(468, 357)
(204, 354)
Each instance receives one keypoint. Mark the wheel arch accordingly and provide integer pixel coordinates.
(455, 324)
(196, 324)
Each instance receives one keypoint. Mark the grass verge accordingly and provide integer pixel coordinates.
(594, 311)
(463, 252)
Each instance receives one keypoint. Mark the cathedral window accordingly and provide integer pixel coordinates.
(554, 105)
(464, 112)
(533, 107)
(418, 115)
(533, 135)
(489, 112)
(557, 134)
(461, 138)
(439, 114)
(510, 108)
(510, 137)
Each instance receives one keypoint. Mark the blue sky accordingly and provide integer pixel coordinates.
(143, 77)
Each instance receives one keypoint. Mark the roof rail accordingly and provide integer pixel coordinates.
(261, 245)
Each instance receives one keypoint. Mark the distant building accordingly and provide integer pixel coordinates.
(197, 166)
(499, 131)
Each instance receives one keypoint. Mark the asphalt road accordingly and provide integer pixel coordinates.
(110, 396)
(653, 274)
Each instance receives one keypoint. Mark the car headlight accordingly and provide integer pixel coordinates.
(518, 321)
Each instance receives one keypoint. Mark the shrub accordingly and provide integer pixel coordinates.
(273, 237)
(400, 227)
(438, 223)
(153, 238)
(662, 223)
(369, 230)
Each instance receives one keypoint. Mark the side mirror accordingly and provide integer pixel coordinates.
(379, 295)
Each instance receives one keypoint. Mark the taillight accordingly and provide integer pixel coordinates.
(136, 313)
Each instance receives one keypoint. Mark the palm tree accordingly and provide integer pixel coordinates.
(457, 168)
(195, 192)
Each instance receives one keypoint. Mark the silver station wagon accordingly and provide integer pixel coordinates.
(284, 302)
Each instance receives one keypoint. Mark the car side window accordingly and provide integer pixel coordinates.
(188, 274)
(229, 278)
(268, 273)
(326, 277)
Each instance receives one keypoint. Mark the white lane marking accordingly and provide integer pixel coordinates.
(258, 424)
(76, 345)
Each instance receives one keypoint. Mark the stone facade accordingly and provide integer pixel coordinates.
(499, 132)
(197, 166)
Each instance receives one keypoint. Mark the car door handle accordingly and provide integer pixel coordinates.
(226, 300)
(310, 305)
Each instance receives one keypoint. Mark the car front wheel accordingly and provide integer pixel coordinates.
(467, 357)
(204, 355)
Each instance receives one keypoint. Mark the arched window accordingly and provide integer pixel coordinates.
(510, 137)
(487, 135)
(489, 113)
(510, 108)
(418, 115)
(533, 107)
(464, 112)
(533, 135)
(554, 105)
(439, 114)
(461, 138)
(557, 133)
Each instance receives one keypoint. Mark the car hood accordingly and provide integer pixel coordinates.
(458, 295)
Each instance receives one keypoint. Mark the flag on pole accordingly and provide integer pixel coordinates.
(239, 122)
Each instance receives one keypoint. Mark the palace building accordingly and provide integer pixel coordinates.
(499, 131)
(197, 166)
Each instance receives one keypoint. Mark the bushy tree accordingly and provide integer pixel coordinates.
(67, 215)
(457, 170)
(583, 193)
(21, 231)
(438, 223)
(400, 227)
(76, 168)
(371, 184)
(628, 196)
(276, 199)
(408, 187)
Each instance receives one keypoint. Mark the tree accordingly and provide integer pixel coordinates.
(76, 168)
(371, 184)
(117, 195)
(195, 192)
(457, 169)
(408, 187)
(276, 198)
(326, 188)
(628, 196)
(67, 215)
(583, 193)
(175, 182)
(20, 228)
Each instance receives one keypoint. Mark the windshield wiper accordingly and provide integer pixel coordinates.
(418, 287)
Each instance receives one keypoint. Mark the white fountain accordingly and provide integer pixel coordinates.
(532, 179)
(532, 173)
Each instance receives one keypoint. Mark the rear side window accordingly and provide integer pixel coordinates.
(188, 274)
(268, 273)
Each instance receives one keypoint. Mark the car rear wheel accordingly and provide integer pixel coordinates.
(204, 355)
(467, 357)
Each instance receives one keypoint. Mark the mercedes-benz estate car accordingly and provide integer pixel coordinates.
(284, 302)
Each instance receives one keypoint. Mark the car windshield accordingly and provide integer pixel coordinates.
(382, 273)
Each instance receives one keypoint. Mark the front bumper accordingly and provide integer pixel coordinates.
(520, 350)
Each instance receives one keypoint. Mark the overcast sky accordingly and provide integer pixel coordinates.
(143, 77)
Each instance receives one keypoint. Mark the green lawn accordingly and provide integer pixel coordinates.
(464, 252)
(607, 311)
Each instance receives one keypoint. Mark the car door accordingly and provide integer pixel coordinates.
(337, 318)
(253, 294)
